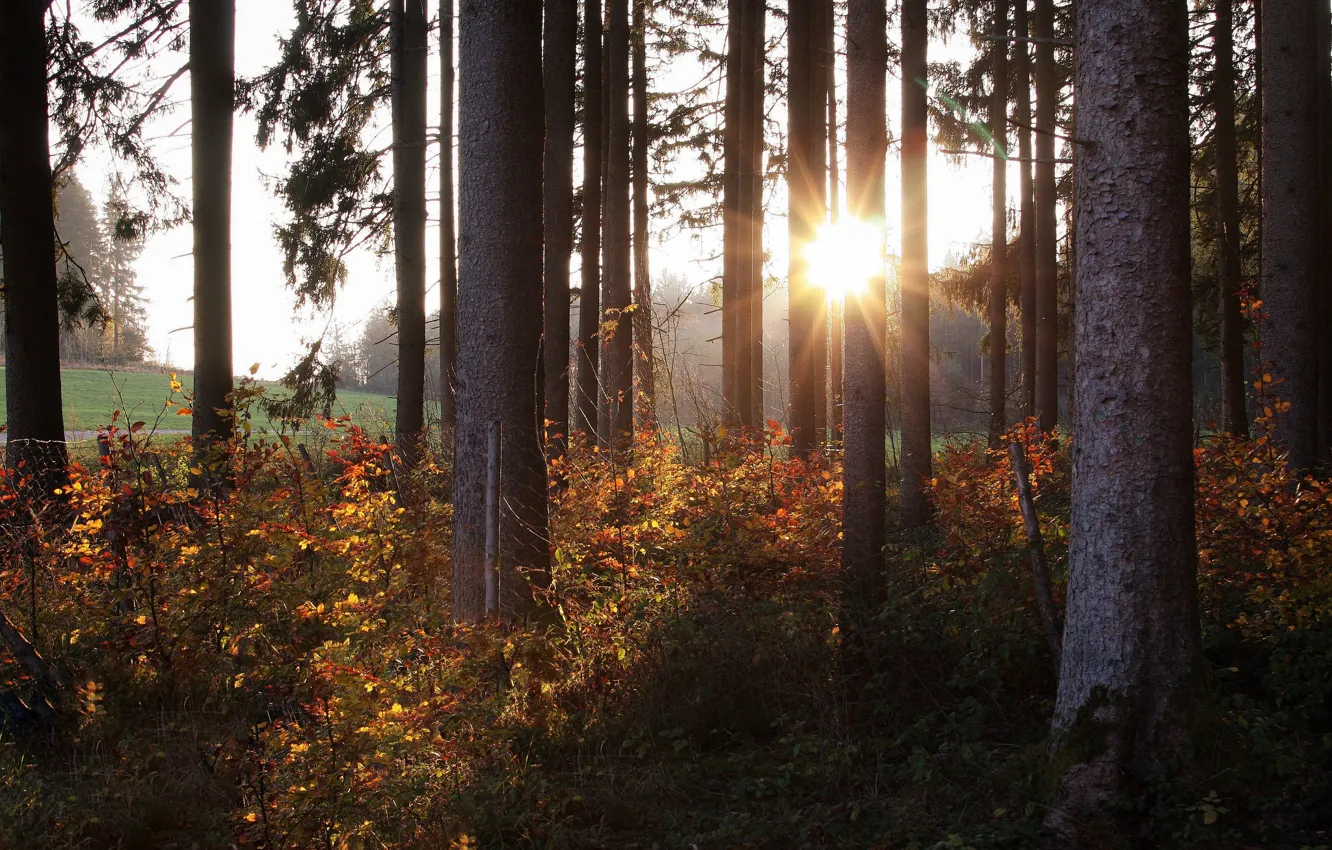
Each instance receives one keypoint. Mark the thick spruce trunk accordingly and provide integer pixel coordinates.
(865, 469)
(615, 429)
(917, 459)
(1131, 649)
(212, 108)
(499, 297)
(732, 141)
(36, 429)
(409, 27)
(1290, 201)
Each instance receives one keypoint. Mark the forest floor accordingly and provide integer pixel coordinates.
(279, 668)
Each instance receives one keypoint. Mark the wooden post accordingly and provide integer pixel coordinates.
(493, 517)
(1040, 571)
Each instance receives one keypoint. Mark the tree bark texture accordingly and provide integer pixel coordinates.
(589, 294)
(448, 242)
(36, 424)
(500, 288)
(1235, 419)
(1047, 237)
(212, 107)
(998, 307)
(1026, 210)
(558, 72)
(917, 460)
(865, 463)
(744, 220)
(1290, 214)
(410, 29)
(617, 366)
(1131, 648)
(645, 390)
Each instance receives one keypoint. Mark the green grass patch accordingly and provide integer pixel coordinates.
(91, 397)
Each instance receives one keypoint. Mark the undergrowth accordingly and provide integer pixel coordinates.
(275, 666)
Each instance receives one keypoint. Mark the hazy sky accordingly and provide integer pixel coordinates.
(267, 328)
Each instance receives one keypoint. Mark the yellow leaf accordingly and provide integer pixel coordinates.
(254, 370)
(141, 620)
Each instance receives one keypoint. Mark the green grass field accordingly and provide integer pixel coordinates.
(91, 397)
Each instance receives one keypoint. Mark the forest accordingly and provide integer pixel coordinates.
(733, 492)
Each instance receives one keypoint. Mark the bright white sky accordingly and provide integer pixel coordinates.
(267, 328)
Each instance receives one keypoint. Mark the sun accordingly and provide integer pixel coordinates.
(844, 257)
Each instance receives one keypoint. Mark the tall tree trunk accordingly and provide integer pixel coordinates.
(744, 220)
(558, 72)
(617, 375)
(837, 307)
(1047, 237)
(917, 460)
(732, 191)
(589, 294)
(865, 469)
(448, 245)
(1131, 652)
(1236, 419)
(36, 432)
(758, 63)
(999, 232)
(500, 279)
(410, 30)
(212, 106)
(1026, 211)
(818, 169)
(805, 177)
(1290, 215)
(1324, 238)
(645, 384)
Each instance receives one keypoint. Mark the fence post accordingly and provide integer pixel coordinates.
(493, 518)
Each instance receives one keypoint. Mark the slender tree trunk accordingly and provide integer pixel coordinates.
(999, 232)
(744, 220)
(448, 247)
(805, 178)
(756, 54)
(500, 282)
(1026, 212)
(558, 72)
(732, 143)
(410, 30)
(917, 460)
(36, 423)
(837, 307)
(865, 470)
(818, 168)
(645, 383)
(617, 364)
(1290, 214)
(1047, 261)
(589, 295)
(212, 105)
(1236, 419)
(1131, 653)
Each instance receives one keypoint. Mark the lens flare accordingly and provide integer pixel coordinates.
(844, 257)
